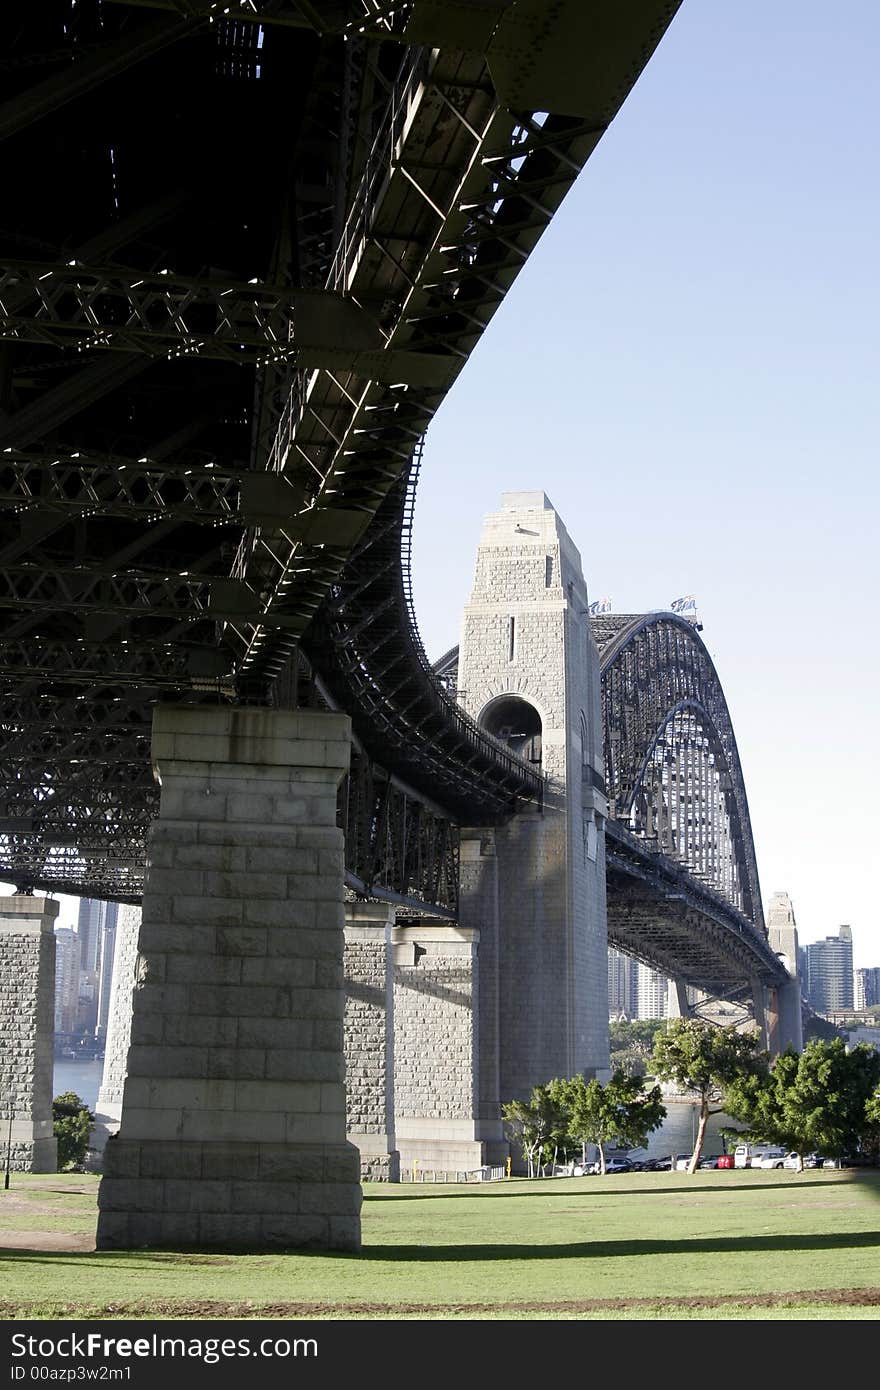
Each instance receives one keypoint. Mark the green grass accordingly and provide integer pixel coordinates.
(754, 1244)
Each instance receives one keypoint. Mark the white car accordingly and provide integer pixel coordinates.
(812, 1160)
(771, 1158)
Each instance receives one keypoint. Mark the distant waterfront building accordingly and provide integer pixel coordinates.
(653, 989)
(867, 986)
(828, 972)
(623, 995)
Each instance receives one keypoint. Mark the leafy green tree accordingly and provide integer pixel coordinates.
(706, 1060)
(632, 1042)
(871, 1141)
(618, 1112)
(822, 1098)
(539, 1125)
(71, 1124)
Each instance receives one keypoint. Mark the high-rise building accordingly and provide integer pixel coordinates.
(653, 989)
(623, 996)
(66, 979)
(828, 972)
(96, 932)
(867, 987)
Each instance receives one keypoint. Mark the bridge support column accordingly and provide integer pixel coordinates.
(677, 1003)
(108, 1110)
(478, 911)
(436, 1045)
(27, 1025)
(782, 930)
(369, 1038)
(233, 1113)
(763, 1021)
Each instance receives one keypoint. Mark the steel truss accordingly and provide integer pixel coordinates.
(672, 768)
(342, 193)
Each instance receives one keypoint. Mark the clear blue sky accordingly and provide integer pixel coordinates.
(689, 367)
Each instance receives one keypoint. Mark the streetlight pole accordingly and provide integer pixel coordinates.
(8, 1151)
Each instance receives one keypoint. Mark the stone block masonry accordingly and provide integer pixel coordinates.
(233, 1115)
(526, 650)
(369, 1039)
(27, 1021)
(108, 1110)
(436, 1045)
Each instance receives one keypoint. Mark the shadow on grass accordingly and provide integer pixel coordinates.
(423, 1191)
(455, 1254)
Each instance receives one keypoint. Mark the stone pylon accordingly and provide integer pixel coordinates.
(529, 673)
(27, 1024)
(785, 1000)
(233, 1114)
(108, 1109)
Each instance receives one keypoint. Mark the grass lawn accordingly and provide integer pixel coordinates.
(655, 1245)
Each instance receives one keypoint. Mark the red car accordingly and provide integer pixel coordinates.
(725, 1161)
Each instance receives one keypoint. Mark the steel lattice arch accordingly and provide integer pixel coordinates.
(683, 889)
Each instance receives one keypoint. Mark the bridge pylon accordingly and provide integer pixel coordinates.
(529, 673)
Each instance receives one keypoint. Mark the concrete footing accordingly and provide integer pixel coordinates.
(233, 1115)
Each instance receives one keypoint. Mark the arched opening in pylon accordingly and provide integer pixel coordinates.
(515, 722)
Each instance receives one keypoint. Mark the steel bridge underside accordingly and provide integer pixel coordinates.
(260, 249)
(660, 915)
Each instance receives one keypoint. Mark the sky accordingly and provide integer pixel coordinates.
(688, 367)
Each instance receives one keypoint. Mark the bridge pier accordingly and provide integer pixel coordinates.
(529, 673)
(369, 1038)
(27, 1025)
(108, 1110)
(233, 1113)
(436, 1045)
(782, 930)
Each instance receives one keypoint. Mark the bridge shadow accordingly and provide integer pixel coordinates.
(427, 1191)
(463, 1254)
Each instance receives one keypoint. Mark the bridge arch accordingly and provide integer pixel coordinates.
(673, 770)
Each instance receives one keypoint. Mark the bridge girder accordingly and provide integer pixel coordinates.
(368, 163)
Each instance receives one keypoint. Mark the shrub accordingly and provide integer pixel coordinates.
(71, 1123)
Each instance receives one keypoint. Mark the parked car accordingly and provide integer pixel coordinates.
(750, 1155)
(711, 1162)
(770, 1158)
(612, 1165)
(812, 1160)
(725, 1161)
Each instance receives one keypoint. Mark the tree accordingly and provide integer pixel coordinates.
(71, 1124)
(632, 1041)
(619, 1112)
(822, 1098)
(706, 1060)
(538, 1124)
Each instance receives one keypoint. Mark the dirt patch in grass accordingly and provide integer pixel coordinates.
(184, 1309)
(46, 1240)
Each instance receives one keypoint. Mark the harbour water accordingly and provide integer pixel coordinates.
(83, 1078)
